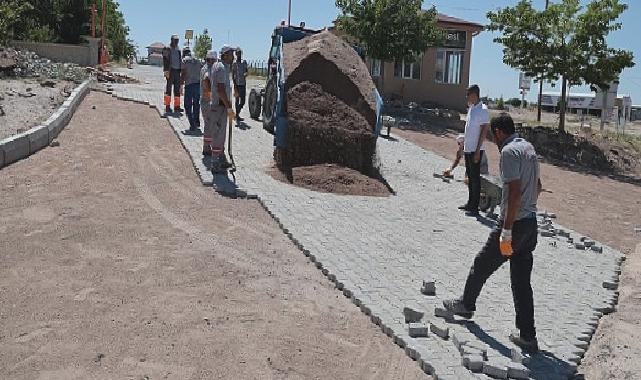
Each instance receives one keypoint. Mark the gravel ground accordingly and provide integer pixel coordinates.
(608, 211)
(118, 264)
(26, 103)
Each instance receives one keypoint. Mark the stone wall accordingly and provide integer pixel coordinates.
(83, 55)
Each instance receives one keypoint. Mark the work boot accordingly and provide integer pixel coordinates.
(472, 213)
(463, 207)
(456, 306)
(239, 119)
(178, 110)
(167, 109)
(528, 345)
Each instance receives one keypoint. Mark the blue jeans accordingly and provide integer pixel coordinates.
(192, 104)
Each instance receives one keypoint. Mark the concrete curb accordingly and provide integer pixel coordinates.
(23, 145)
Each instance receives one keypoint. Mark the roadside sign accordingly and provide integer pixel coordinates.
(189, 34)
(525, 82)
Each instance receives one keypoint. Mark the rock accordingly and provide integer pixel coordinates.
(48, 83)
(54, 143)
(2, 111)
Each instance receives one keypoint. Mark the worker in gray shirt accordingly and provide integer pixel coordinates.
(239, 76)
(172, 65)
(515, 237)
(190, 76)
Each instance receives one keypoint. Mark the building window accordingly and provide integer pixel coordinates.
(376, 67)
(408, 69)
(449, 66)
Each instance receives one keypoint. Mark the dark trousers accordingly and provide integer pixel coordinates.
(173, 81)
(240, 100)
(192, 104)
(473, 171)
(524, 239)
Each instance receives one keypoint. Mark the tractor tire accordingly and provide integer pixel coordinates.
(255, 100)
(269, 106)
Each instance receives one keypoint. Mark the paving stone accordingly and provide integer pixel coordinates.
(439, 329)
(443, 313)
(412, 315)
(418, 330)
(518, 371)
(473, 362)
(495, 371)
(428, 288)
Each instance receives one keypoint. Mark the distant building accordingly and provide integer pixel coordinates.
(635, 113)
(439, 77)
(588, 103)
(154, 53)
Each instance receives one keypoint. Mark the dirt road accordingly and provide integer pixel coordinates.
(118, 264)
(606, 210)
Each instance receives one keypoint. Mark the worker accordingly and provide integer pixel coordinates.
(172, 65)
(476, 128)
(190, 77)
(239, 76)
(515, 236)
(205, 99)
(460, 142)
(222, 111)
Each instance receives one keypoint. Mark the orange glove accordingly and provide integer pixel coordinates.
(505, 243)
(231, 114)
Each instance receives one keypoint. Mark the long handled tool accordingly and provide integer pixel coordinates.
(232, 169)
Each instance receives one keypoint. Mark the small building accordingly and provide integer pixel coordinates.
(635, 112)
(154, 53)
(439, 77)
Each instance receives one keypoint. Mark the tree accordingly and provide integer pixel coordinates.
(500, 104)
(202, 44)
(390, 30)
(565, 41)
(11, 11)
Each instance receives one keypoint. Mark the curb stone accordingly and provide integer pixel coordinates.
(23, 145)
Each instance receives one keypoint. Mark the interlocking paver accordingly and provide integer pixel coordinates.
(385, 247)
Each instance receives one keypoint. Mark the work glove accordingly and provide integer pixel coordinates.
(231, 114)
(166, 74)
(505, 243)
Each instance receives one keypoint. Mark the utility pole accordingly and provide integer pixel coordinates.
(538, 112)
(289, 14)
(103, 57)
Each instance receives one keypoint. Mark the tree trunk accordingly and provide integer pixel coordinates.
(563, 102)
(538, 108)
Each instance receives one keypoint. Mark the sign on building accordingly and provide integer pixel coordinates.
(455, 39)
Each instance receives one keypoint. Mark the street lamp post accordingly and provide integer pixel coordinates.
(289, 14)
(538, 113)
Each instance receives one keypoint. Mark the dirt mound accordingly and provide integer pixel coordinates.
(330, 178)
(599, 155)
(323, 129)
(328, 60)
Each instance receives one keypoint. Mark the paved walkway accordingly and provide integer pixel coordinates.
(380, 250)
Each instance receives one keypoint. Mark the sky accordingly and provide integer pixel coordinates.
(249, 24)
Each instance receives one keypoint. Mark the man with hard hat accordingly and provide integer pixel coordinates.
(222, 111)
(172, 65)
(205, 99)
(190, 77)
(239, 75)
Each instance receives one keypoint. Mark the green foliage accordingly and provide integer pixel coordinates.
(515, 102)
(500, 104)
(566, 40)
(202, 44)
(11, 11)
(390, 30)
(67, 21)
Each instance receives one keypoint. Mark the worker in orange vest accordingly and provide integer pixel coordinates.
(172, 66)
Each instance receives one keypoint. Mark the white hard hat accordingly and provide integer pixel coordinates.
(226, 49)
(211, 55)
(175, 37)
